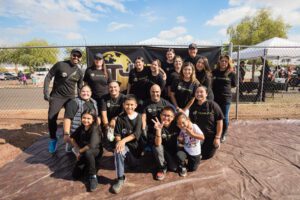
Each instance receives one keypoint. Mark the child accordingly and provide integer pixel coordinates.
(189, 137)
(127, 133)
(87, 148)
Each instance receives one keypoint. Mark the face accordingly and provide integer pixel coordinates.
(167, 117)
(75, 58)
(223, 63)
(177, 64)
(187, 71)
(170, 55)
(154, 66)
(155, 93)
(87, 120)
(200, 65)
(85, 93)
(182, 122)
(129, 106)
(98, 62)
(139, 65)
(193, 52)
(200, 94)
(114, 89)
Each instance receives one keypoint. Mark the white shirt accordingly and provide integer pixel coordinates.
(192, 145)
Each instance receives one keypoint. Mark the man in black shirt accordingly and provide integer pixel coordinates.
(152, 109)
(66, 76)
(192, 57)
(165, 142)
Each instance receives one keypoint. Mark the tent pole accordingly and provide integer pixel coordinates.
(263, 75)
(237, 91)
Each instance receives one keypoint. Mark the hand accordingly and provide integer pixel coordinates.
(47, 97)
(67, 138)
(112, 123)
(78, 156)
(120, 146)
(157, 124)
(217, 143)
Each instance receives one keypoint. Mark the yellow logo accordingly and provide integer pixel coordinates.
(120, 65)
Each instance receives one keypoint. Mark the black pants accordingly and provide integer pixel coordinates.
(88, 164)
(55, 105)
(193, 161)
(208, 148)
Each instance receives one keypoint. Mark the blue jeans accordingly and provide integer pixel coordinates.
(120, 161)
(225, 107)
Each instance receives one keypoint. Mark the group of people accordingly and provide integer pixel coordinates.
(178, 109)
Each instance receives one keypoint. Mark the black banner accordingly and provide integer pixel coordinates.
(120, 59)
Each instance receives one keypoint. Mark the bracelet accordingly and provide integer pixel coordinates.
(67, 133)
(158, 135)
(217, 137)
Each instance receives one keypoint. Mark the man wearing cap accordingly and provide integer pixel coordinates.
(66, 76)
(97, 77)
(192, 57)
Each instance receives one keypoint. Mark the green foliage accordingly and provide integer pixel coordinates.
(257, 29)
(31, 57)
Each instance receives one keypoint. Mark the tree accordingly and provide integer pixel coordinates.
(32, 54)
(259, 28)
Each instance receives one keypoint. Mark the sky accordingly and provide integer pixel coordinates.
(130, 22)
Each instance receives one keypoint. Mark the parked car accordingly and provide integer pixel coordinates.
(9, 76)
(2, 76)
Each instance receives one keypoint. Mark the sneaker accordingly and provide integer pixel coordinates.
(116, 188)
(93, 182)
(182, 171)
(223, 139)
(68, 147)
(52, 146)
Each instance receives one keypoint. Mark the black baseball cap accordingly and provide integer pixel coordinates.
(98, 56)
(193, 46)
(76, 51)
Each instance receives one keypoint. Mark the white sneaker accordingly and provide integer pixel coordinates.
(68, 148)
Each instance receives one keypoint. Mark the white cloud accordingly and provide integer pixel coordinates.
(150, 16)
(180, 19)
(172, 33)
(113, 26)
(113, 3)
(294, 37)
(73, 36)
(228, 16)
(223, 32)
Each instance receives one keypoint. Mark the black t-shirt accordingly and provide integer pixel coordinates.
(90, 137)
(205, 80)
(169, 138)
(155, 80)
(174, 77)
(66, 76)
(72, 108)
(97, 81)
(184, 91)
(167, 67)
(222, 85)
(152, 110)
(192, 60)
(139, 82)
(206, 117)
(125, 127)
(113, 106)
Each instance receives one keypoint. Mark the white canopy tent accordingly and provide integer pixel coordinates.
(273, 48)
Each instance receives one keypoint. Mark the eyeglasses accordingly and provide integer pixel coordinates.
(169, 116)
(76, 55)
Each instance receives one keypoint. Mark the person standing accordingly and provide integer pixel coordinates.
(203, 75)
(192, 54)
(209, 117)
(223, 80)
(66, 75)
(98, 77)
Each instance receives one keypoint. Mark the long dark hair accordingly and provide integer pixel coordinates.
(104, 69)
(94, 125)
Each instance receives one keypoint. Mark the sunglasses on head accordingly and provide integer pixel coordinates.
(76, 55)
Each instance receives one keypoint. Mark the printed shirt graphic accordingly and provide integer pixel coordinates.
(192, 145)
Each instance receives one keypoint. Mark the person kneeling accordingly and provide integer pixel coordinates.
(87, 147)
(127, 133)
(189, 138)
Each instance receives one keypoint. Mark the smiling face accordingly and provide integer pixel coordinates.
(183, 122)
(193, 52)
(85, 93)
(129, 106)
(98, 63)
(223, 62)
(87, 120)
(114, 89)
(201, 94)
(178, 64)
(166, 117)
(200, 64)
(155, 93)
(75, 58)
(154, 67)
(139, 65)
(170, 56)
(187, 72)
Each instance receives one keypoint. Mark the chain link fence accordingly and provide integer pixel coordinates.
(274, 96)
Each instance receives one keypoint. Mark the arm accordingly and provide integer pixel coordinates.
(189, 104)
(144, 121)
(47, 81)
(158, 129)
(128, 88)
(120, 146)
(218, 134)
(193, 134)
(164, 75)
(104, 119)
(67, 129)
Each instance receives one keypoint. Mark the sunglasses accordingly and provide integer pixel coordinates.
(76, 55)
